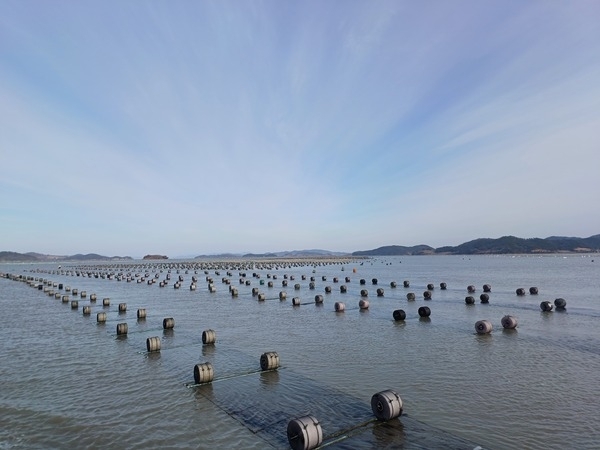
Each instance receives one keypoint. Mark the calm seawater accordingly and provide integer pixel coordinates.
(67, 381)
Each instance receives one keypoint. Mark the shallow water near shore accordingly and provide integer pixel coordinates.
(69, 381)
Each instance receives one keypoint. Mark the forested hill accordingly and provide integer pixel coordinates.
(512, 244)
(503, 245)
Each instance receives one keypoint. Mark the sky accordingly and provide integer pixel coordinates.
(201, 127)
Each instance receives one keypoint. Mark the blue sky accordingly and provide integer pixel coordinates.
(200, 127)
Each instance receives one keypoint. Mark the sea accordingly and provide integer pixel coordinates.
(69, 381)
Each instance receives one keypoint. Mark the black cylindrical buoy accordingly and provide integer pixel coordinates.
(209, 337)
(424, 311)
(533, 290)
(386, 405)
(203, 373)
(121, 329)
(485, 298)
(380, 292)
(153, 344)
(469, 300)
(443, 286)
(339, 306)
(560, 303)
(269, 361)
(304, 433)
(399, 314)
(546, 306)
(141, 313)
(427, 295)
(406, 283)
(430, 287)
(520, 291)
(410, 296)
(487, 288)
(168, 323)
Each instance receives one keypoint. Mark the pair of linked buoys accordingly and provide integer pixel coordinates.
(305, 433)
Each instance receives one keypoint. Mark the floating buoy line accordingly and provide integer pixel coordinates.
(303, 432)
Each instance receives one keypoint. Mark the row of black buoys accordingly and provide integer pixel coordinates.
(209, 337)
(305, 432)
(400, 314)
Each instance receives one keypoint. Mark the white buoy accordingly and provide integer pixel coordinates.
(509, 322)
(203, 373)
(168, 323)
(483, 327)
(208, 337)
(386, 405)
(304, 433)
(153, 344)
(269, 361)
(122, 329)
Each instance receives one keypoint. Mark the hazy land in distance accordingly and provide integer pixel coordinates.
(484, 246)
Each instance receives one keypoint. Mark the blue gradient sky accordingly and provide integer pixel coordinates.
(198, 127)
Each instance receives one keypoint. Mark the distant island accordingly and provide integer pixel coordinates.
(485, 246)
(500, 246)
(38, 257)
